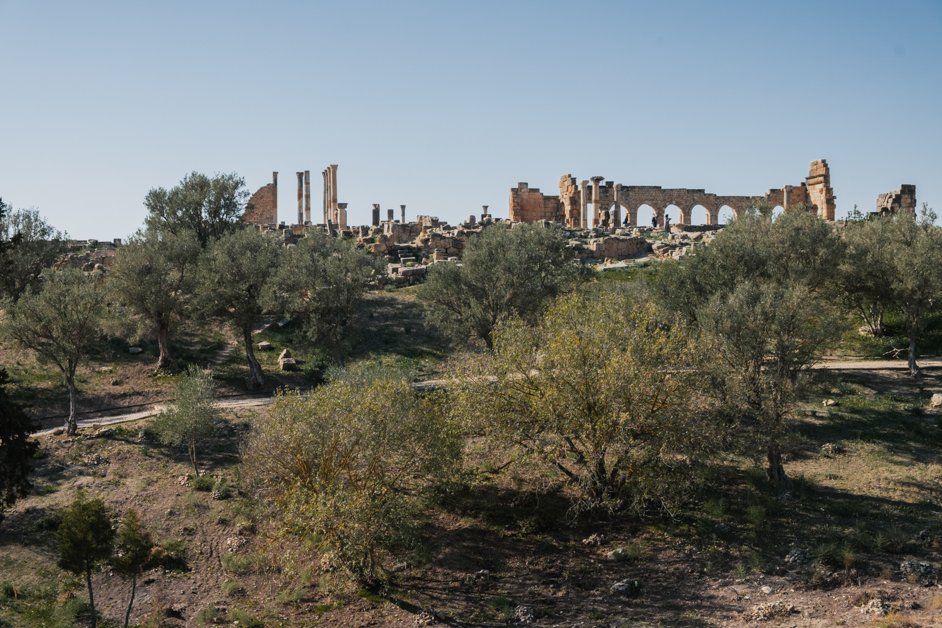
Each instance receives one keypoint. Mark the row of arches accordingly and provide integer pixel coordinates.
(647, 214)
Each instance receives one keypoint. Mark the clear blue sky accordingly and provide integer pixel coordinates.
(445, 105)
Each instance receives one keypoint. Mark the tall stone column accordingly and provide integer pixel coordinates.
(616, 210)
(300, 198)
(342, 215)
(327, 216)
(332, 177)
(596, 200)
(307, 196)
(391, 215)
(402, 210)
(584, 204)
(375, 214)
(274, 185)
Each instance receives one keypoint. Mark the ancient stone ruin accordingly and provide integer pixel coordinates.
(262, 208)
(608, 199)
(901, 200)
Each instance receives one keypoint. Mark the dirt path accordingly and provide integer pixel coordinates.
(247, 401)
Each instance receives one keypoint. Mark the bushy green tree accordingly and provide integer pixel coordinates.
(132, 553)
(866, 275)
(34, 246)
(760, 295)
(320, 283)
(504, 272)
(61, 323)
(153, 277)
(602, 391)
(761, 339)
(347, 466)
(86, 540)
(917, 275)
(207, 207)
(233, 281)
(192, 415)
(16, 448)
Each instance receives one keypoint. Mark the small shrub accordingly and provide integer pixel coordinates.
(202, 483)
(222, 489)
(241, 618)
(231, 588)
(239, 564)
(210, 615)
(170, 555)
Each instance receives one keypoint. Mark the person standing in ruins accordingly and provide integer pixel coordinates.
(654, 221)
(667, 222)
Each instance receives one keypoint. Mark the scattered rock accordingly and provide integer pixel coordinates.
(829, 403)
(595, 539)
(426, 618)
(876, 606)
(135, 350)
(524, 614)
(264, 346)
(832, 449)
(478, 580)
(626, 588)
(766, 589)
(797, 556)
(286, 362)
(235, 543)
(917, 571)
(94, 460)
(936, 401)
(58, 431)
(771, 610)
(117, 381)
(619, 554)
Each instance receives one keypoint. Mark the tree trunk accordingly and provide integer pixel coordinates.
(191, 449)
(913, 367)
(256, 378)
(127, 615)
(71, 424)
(91, 597)
(776, 471)
(165, 361)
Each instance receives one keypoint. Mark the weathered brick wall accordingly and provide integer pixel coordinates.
(531, 205)
(262, 208)
(903, 199)
(820, 194)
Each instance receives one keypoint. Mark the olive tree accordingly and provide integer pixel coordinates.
(233, 280)
(760, 295)
(320, 283)
(207, 207)
(504, 272)
(16, 448)
(152, 276)
(86, 540)
(762, 339)
(191, 416)
(33, 246)
(61, 323)
(131, 553)
(601, 390)
(347, 466)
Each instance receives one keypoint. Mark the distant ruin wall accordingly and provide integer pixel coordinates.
(901, 200)
(262, 208)
(608, 199)
(530, 205)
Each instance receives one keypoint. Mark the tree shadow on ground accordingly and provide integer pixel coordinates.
(395, 325)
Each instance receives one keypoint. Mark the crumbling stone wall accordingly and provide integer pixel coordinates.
(262, 208)
(903, 199)
(608, 199)
(530, 205)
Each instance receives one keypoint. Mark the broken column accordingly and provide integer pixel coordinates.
(307, 196)
(300, 198)
(596, 200)
(375, 214)
(391, 215)
(402, 209)
(342, 215)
